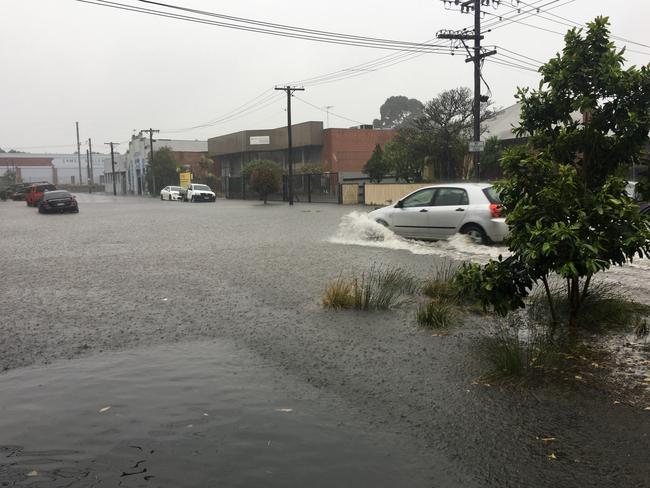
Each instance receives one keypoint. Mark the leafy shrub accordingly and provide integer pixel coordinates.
(265, 177)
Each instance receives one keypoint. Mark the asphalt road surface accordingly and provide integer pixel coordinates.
(129, 274)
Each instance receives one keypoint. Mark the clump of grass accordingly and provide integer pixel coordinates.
(435, 315)
(517, 353)
(338, 295)
(378, 288)
(442, 285)
(604, 309)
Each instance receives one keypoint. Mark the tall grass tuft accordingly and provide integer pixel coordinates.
(442, 285)
(604, 309)
(435, 315)
(521, 353)
(378, 288)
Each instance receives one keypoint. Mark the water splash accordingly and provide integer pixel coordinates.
(357, 229)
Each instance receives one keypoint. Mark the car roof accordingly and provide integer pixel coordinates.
(464, 184)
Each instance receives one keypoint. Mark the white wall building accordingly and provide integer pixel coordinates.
(120, 175)
(61, 169)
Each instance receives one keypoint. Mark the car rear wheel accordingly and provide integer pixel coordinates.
(475, 233)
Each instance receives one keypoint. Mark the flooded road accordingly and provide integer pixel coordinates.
(186, 415)
(130, 275)
(356, 229)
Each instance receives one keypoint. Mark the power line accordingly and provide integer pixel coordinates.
(329, 112)
(574, 23)
(254, 105)
(291, 32)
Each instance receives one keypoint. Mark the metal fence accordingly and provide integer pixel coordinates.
(312, 188)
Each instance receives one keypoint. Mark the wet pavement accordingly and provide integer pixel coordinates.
(126, 274)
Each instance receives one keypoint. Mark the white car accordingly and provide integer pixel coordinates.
(170, 193)
(199, 193)
(440, 211)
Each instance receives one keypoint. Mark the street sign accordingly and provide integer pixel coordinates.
(185, 178)
(476, 146)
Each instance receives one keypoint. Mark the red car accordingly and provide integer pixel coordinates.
(36, 192)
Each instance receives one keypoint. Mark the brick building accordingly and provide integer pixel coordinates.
(342, 151)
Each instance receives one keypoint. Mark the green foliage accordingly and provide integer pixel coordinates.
(568, 212)
(162, 172)
(437, 139)
(398, 112)
(448, 122)
(435, 315)
(407, 154)
(377, 289)
(589, 78)
(377, 166)
(265, 177)
(500, 285)
(490, 159)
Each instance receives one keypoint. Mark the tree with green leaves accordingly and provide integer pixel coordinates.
(568, 211)
(397, 112)
(162, 171)
(448, 119)
(490, 157)
(264, 176)
(377, 167)
(407, 154)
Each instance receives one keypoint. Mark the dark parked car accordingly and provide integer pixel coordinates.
(58, 201)
(19, 190)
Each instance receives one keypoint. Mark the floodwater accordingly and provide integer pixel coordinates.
(167, 311)
(188, 415)
(357, 229)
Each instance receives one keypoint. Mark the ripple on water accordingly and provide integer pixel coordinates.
(187, 415)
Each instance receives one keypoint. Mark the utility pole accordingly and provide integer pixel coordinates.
(289, 89)
(91, 176)
(90, 188)
(79, 154)
(113, 165)
(327, 109)
(476, 57)
(153, 174)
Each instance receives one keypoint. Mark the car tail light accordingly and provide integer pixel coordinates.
(495, 210)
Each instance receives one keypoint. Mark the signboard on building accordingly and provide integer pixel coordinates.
(260, 140)
(185, 179)
(476, 146)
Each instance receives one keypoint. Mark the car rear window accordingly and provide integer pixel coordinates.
(492, 195)
(45, 187)
(53, 195)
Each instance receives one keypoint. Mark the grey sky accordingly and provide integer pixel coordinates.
(116, 71)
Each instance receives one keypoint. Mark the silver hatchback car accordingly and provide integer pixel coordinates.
(440, 211)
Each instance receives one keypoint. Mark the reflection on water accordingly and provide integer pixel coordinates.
(186, 415)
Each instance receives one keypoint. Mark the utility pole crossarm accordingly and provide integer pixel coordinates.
(484, 55)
